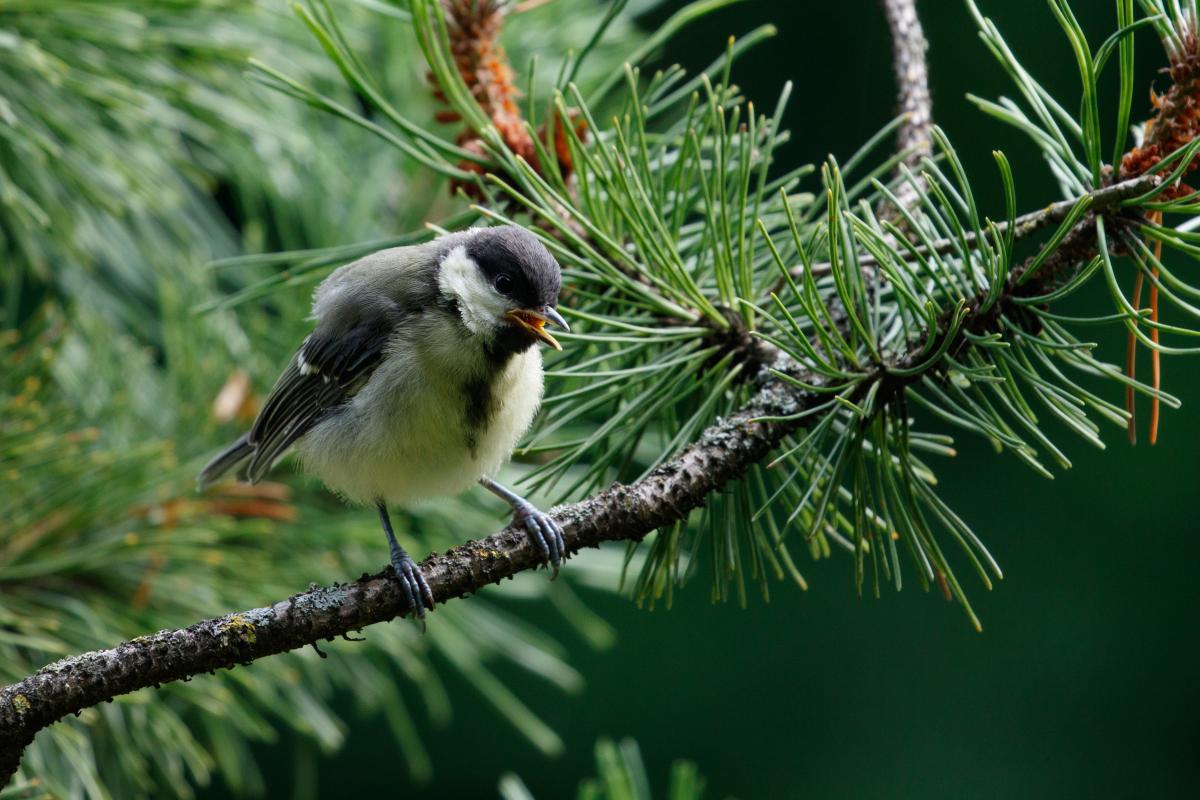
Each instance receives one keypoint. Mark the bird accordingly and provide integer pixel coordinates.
(422, 372)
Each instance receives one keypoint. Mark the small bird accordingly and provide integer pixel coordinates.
(420, 376)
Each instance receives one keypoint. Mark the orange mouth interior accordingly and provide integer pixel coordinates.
(532, 320)
(535, 324)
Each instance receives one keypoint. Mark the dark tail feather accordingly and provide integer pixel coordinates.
(224, 461)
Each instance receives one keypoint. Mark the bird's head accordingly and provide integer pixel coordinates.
(504, 284)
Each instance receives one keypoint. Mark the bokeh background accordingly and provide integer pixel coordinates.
(1083, 682)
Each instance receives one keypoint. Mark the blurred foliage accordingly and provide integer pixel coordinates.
(622, 776)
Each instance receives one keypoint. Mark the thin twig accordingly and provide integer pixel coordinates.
(1024, 225)
(912, 87)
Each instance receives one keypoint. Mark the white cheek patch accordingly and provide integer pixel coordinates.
(461, 279)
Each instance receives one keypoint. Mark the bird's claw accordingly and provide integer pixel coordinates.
(416, 588)
(545, 534)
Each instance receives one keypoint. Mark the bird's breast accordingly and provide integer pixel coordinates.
(431, 421)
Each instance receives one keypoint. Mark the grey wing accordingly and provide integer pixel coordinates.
(334, 362)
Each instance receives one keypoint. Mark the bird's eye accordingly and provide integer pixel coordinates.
(503, 283)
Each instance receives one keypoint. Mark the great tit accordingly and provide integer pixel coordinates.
(420, 376)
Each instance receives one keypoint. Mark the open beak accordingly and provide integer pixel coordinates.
(534, 322)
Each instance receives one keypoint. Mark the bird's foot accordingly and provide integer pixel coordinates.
(415, 587)
(544, 532)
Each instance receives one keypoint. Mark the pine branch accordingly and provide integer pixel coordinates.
(912, 78)
(1024, 225)
(723, 453)
(912, 83)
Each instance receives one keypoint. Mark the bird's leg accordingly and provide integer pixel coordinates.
(407, 572)
(543, 531)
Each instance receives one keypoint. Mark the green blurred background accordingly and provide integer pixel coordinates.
(1083, 682)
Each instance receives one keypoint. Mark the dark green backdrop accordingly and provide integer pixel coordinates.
(1083, 681)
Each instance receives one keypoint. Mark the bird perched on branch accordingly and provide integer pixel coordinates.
(419, 378)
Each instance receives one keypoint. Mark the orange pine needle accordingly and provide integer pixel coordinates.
(1155, 218)
(1131, 363)
(1155, 356)
(1173, 127)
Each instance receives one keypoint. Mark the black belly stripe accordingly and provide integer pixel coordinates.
(481, 395)
(479, 410)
